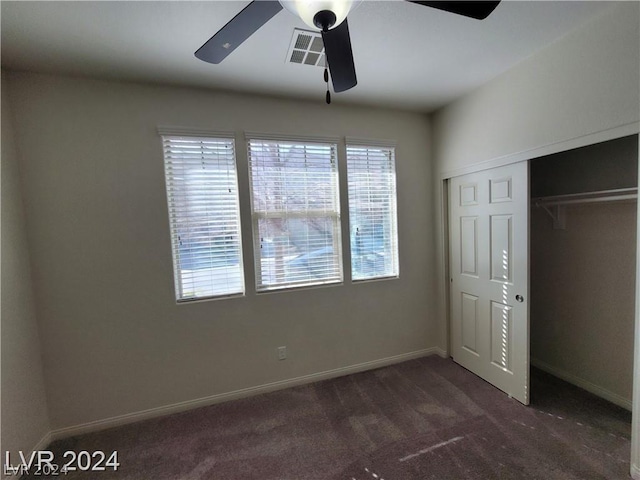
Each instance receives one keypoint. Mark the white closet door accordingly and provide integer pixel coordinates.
(489, 252)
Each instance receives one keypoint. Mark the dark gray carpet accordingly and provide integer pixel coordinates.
(422, 419)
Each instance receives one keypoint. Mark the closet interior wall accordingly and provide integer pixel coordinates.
(583, 275)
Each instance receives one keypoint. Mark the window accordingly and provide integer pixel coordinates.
(373, 229)
(296, 213)
(202, 193)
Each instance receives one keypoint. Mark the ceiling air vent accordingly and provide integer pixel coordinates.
(306, 48)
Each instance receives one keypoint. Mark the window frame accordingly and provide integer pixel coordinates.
(262, 287)
(167, 135)
(394, 245)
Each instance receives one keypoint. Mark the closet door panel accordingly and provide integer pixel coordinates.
(489, 248)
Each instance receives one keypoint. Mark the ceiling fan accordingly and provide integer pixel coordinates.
(330, 16)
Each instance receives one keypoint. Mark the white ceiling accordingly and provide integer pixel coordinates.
(406, 55)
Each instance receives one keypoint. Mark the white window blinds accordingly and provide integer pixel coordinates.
(204, 216)
(371, 178)
(295, 212)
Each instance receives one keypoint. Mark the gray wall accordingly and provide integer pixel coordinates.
(25, 420)
(584, 84)
(114, 340)
(583, 277)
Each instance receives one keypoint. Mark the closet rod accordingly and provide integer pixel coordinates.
(589, 197)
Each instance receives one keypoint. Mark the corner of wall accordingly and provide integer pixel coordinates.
(440, 255)
(25, 417)
(635, 423)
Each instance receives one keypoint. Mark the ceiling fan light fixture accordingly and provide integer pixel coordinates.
(308, 9)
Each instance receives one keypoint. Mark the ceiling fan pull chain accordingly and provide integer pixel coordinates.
(326, 79)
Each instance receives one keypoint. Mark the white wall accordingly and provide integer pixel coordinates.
(114, 341)
(25, 420)
(583, 83)
(583, 86)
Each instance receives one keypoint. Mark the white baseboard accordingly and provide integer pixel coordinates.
(584, 384)
(42, 444)
(440, 352)
(234, 395)
(635, 472)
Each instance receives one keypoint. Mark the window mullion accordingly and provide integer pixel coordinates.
(297, 214)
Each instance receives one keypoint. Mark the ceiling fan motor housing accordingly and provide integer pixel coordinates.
(324, 20)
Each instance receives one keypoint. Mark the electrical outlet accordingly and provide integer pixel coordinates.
(282, 353)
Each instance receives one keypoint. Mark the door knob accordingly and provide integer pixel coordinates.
(519, 298)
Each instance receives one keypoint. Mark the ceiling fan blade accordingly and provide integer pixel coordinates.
(337, 47)
(237, 30)
(478, 10)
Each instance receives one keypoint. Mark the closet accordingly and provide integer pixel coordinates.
(582, 266)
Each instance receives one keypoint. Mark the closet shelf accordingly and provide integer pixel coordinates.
(587, 197)
(554, 205)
